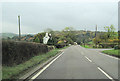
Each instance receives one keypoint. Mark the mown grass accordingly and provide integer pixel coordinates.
(86, 46)
(112, 52)
(8, 72)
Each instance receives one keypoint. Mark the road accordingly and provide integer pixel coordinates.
(80, 63)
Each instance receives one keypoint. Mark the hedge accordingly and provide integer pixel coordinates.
(108, 45)
(14, 53)
(59, 46)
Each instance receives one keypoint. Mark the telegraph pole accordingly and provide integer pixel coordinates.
(19, 27)
(96, 31)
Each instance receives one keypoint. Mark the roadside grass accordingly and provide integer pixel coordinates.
(90, 42)
(86, 46)
(9, 72)
(112, 52)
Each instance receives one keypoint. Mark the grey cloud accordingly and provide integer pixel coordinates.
(35, 17)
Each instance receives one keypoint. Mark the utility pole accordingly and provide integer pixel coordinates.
(96, 31)
(19, 27)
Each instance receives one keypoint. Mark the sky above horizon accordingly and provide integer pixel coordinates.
(37, 16)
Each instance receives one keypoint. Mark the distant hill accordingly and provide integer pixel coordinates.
(6, 35)
(27, 34)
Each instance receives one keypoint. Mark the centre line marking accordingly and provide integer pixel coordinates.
(105, 74)
(46, 67)
(88, 59)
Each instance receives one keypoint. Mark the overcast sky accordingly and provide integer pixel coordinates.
(37, 16)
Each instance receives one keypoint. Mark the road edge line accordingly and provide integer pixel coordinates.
(29, 74)
(110, 56)
(44, 68)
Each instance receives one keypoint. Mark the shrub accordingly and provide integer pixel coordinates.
(39, 37)
(107, 45)
(59, 46)
(117, 47)
(18, 52)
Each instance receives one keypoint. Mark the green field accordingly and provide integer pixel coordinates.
(9, 72)
(112, 52)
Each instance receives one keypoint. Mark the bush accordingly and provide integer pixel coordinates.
(94, 46)
(51, 48)
(18, 52)
(59, 46)
(117, 47)
(107, 45)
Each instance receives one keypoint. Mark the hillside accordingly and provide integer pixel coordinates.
(6, 35)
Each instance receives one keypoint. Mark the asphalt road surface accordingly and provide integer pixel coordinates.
(77, 62)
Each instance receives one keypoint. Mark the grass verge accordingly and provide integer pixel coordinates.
(112, 52)
(9, 72)
(86, 46)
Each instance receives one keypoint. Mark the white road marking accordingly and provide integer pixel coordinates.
(109, 56)
(105, 74)
(46, 67)
(88, 59)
